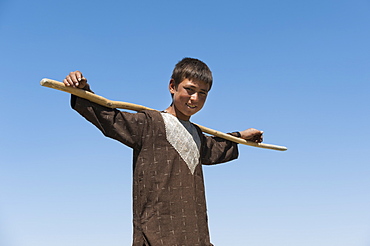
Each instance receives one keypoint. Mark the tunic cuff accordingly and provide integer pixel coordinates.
(235, 134)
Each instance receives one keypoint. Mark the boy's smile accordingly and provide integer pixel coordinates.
(188, 98)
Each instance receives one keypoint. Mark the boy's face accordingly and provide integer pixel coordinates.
(188, 98)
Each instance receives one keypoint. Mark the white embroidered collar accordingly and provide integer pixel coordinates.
(180, 138)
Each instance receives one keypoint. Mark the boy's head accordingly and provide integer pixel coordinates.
(192, 69)
(189, 85)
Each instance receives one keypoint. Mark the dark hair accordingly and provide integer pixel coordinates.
(192, 69)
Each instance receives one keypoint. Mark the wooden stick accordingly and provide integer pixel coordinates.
(130, 106)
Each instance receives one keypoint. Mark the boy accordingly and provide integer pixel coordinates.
(169, 206)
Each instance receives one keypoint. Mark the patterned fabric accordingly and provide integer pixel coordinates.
(169, 206)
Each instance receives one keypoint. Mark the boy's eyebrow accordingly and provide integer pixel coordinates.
(193, 86)
(200, 89)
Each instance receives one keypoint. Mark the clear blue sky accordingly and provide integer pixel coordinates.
(299, 70)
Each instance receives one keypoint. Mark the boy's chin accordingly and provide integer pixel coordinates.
(191, 114)
(186, 114)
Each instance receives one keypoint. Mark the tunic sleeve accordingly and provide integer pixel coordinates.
(216, 150)
(125, 127)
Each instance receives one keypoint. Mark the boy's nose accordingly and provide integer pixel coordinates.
(194, 96)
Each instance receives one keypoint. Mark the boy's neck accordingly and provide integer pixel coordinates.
(172, 110)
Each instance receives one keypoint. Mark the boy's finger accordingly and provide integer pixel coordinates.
(80, 77)
(77, 77)
(68, 81)
(65, 82)
(72, 80)
(74, 77)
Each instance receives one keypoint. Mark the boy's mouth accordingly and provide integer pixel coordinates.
(191, 106)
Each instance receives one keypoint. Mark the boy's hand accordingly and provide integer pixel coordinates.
(75, 79)
(252, 134)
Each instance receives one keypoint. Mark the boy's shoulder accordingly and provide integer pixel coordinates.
(152, 116)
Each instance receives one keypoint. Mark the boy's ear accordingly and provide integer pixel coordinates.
(172, 86)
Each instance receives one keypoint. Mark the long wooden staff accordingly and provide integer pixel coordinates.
(130, 106)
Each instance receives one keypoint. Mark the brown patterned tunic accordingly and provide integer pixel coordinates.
(169, 206)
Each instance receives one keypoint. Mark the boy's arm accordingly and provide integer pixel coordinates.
(218, 150)
(122, 126)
